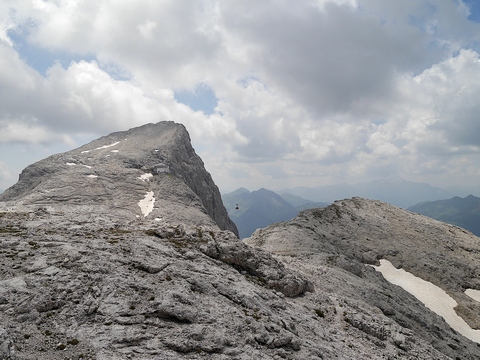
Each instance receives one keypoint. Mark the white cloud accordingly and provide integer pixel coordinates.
(5, 173)
(15, 131)
(452, 89)
(146, 29)
(308, 91)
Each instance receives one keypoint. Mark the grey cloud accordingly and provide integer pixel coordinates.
(463, 130)
(330, 60)
(287, 75)
(453, 90)
(265, 144)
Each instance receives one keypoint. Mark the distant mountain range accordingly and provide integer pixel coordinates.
(463, 212)
(258, 209)
(395, 191)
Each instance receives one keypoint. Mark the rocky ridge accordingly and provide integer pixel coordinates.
(117, 176)
(121, 250)
(341, 239)
(116, 291)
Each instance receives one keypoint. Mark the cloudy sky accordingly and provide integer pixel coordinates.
(274, 93)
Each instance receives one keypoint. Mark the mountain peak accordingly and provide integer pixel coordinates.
(352, 233)
(239, 191)
(143, 172)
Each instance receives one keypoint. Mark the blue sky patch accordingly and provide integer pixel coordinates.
(201, 99)
(474, 6)
(42, 59)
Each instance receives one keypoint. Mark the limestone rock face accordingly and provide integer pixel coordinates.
(150, 171)
(147, 290)
(337, 242)
(122, 249)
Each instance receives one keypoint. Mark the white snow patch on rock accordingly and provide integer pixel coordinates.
(114, 151)
(145, 177)
(87, 166)
(430, 295)
(101, 147)
(71, 164)
(107, 146)
(474, 294)
(146, 204)
(92, 176)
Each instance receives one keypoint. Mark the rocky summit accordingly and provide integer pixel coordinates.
(338, 246)
(147, 172)
(122, 249)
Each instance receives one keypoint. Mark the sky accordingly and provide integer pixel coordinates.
(274, 93)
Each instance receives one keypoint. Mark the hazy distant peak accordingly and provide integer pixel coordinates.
(463, 212)
(239, 191)
(396, 191)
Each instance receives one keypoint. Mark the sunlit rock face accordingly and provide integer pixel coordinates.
(112, 175)
(121, 249)
(338, 241)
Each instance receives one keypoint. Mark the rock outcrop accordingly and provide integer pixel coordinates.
(121, 249)
(333, 245)
(102, 290)
(150, 171)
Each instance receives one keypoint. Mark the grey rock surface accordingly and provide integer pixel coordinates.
(333, 245)
(122, 250)
(110, 175)
(144, 290)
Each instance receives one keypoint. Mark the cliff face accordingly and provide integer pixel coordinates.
(111, 175)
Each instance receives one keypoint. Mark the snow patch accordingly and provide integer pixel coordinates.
(73, 164)
(92, 176)
(146, 204)
(107, 146)
(114, 151)
(145, 177)
(101, 147)
(474, 294)
(430, 295)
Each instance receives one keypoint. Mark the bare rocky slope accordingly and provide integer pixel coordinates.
(121, 249)
(332, 246)
(112, 174)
